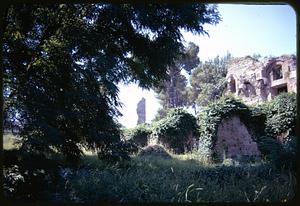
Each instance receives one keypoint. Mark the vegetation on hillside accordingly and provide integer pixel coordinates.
(208, 82)
(159, 180)
(156, 175)
(176, 180)
(279, 141)
(212, 115)
(139, 134)
(62, 64)
(178, 131)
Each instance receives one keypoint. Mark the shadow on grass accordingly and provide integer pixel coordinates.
(180, 179)
(154, 179)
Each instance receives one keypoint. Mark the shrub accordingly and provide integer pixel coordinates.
(29, 177)
(268, 146)
(281, 114)
(121, 151)
(177, 131)
(139, 134)
(281, 155)
(290, 148)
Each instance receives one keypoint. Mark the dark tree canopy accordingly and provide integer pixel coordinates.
(63, 62)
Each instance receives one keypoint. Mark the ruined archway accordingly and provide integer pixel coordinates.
(229, 129)
(231, 84)
(234, 140)
(277, 72)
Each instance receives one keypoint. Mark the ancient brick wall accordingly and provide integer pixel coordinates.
(234, 140)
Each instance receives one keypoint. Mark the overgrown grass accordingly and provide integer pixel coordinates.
(181, 179)
(184, 178)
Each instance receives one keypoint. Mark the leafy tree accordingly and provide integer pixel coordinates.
(63, 62)
(172, 92)
(208, 81)
(161, 113)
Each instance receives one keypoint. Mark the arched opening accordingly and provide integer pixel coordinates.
(232, 87)
(277, 72)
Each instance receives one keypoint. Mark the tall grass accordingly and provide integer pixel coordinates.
(184, 178)
(181, 179)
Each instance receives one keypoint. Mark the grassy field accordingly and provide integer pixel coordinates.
(181, 179)
(184, 178)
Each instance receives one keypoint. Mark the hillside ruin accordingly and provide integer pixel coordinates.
(256, 81)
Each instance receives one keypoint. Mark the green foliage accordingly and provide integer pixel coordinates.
(174, 180)
(139, 134)
(189, 59)
(208, 81)
(158, 180)
(177, 131)
(118, 151)
(281, 155)
(281, 114)
(62, 64)
(161, 113)
(172, 92)
(212, 115)
(29, 177)
(268, 146)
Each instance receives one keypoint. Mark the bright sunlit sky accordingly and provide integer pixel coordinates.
(244, 30)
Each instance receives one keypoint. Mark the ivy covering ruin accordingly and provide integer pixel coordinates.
(211, 116)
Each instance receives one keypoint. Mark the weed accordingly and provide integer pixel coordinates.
(180, 179)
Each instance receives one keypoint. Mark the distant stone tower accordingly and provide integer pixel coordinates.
(141, 111)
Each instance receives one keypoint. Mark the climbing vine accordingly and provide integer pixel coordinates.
(139, 134)
(212, 115)
(281, 114)
(178, 131)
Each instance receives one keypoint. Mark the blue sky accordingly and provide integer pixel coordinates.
(244, 30)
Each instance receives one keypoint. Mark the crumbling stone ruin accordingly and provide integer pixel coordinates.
(235, 141)
(256, 81)
(141, 111)
(229, 129)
